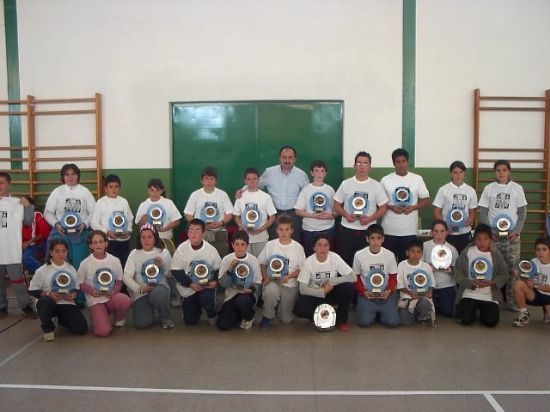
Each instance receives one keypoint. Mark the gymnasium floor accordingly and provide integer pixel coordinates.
(292, 368)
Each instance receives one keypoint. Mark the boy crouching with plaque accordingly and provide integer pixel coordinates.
(325, 278)
(415, 282)
(280, 262)
(376, 270)
(241, 277)
(195, 266)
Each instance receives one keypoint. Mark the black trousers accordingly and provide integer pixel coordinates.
(68, 316)
(341, 295)
(349, 242)
(459, 241)
(489, 312)
(398, 245)
(240, 307)
(192, 306)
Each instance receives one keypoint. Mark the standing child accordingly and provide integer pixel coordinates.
(314, 205)
(195, 267)
(112, 215)
(536, 291)
(258, 204)
(238, 307)
(13, 213)
(445, 284)
(379, 260)
(145, 275)
(55, 285)
(284, 257)
(102, 303)
(415, 301)
(213, 207)
(325, 278)
(35, 238)
(481, 294)
(505, 200)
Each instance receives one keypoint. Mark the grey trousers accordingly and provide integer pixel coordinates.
(15, 273)
(158, 300)
(279, 299)
(421, 313)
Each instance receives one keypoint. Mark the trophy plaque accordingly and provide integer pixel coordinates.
(156, 216)
(503, 225)
(442, 257)
(201, 274)
(324, 317)
(118, 223)
(456, 220)
(104, 281)
(402, 196)
(70, 222)
(277, 267)
(359, 204)
(376, 281)
(251, 216)
(62, 282)
(527, 269)
(481, 269)
(242, 276)
(319, 202)
(152, 273)
(210, 212)
(419, 282)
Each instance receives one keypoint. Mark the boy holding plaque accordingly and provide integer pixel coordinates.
(254, 212)
(415, 281)
(145, 274)
(361, 201)
(480, 273)
(195, 267)
(314, 205)
(408, 194)
(213, 207)
(280, 262)
(241, 277)
(100, 278)
(376, 282)
(325, 278)
(113, 216)
(55, 285)
(503, 206)
(534, 290)
(442, 257)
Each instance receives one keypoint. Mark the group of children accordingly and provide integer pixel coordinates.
(384, 268)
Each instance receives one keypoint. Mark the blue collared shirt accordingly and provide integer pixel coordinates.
(283, 188)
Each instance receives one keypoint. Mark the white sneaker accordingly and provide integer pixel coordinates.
(521, 320)
(168, 324)
(49, 336)
(247, 324)
(212, 321)
(120, 323)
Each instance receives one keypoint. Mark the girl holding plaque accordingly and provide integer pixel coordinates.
(69, 210)
(55, 285)
(100, 278)
(145, 276)
(480, 273)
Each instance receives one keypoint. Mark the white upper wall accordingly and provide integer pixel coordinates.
(141, 55)
(498, 46)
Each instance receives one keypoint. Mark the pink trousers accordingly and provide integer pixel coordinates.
(99, 313)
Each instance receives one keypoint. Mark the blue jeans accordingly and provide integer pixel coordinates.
(385, 309)
(444, 301)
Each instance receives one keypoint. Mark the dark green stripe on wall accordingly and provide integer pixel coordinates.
(409, 78)
(12, 65)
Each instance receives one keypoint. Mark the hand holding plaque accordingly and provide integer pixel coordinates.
(419, 282)
(209, 212)
(242, 276)
(104, 281)
(358, 204)
(481, 269)
(251, 217)
(376, 282)
(70, 222)
(156, 216)
(277, 267)
(527, 269)
(503, 224)
(402, 197)
(319, 202)
(62, 283)
(201, 273)
(152, 272)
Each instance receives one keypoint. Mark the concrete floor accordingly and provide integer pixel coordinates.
(448, 367)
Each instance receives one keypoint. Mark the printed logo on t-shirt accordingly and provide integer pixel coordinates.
(73, 205)
(320, 278)
(378, 266)
(3, 219)
(542, 279)
(459, 201)
(503, 201)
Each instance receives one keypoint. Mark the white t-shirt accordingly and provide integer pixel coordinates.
(304, 203)
(44, 276)
(404, 269)
(442, 279)
(503, 199)
(199, 198)
(400, 224)
(185, 255)
(133, 278)
(104, 210)
(364, 261)
(294, 252)
(66, 198)
(451, 196)
(225, 266)
(169, 207)
(373, 192)
(262, 201)
(89, 267)
(315, 274)
(484, 294)
(543, 275)
(11, 226)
